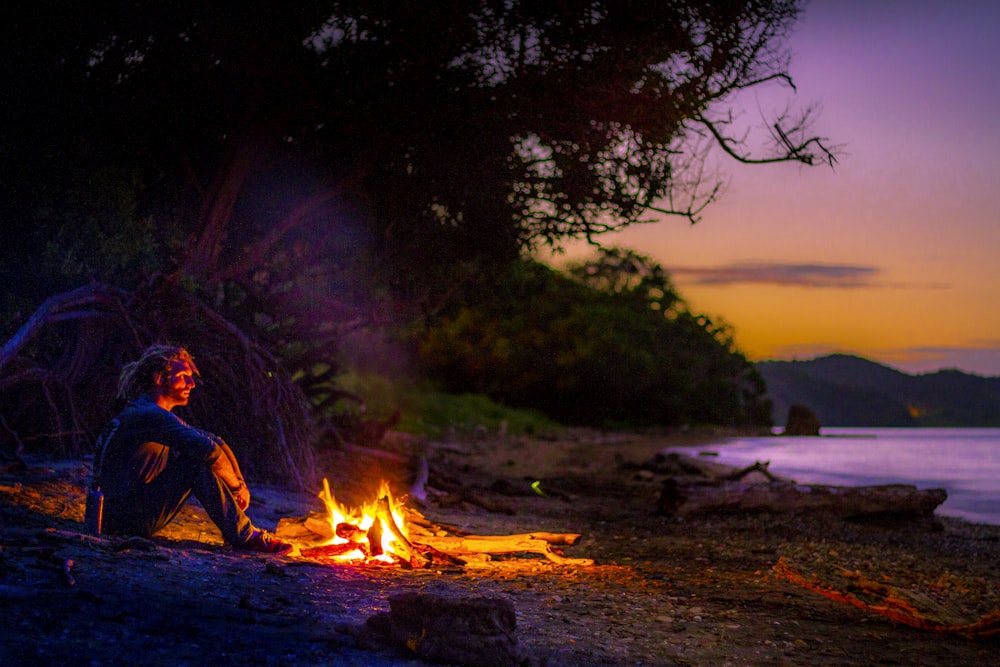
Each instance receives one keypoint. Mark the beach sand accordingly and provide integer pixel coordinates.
(661, 591)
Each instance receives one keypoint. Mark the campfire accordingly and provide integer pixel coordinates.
(374, 531)
(385, 531)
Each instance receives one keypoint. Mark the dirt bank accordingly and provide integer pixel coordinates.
(661, 592)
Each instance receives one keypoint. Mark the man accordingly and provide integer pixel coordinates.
(149, 460)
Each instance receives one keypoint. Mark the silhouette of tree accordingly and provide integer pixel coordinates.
(259, 158)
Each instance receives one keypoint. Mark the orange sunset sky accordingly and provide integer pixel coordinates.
(895, 253)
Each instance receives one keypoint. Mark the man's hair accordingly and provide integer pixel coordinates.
(139, 377)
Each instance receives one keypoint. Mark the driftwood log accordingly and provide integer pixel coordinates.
(696, 487)
(537, 543)
(846, 502)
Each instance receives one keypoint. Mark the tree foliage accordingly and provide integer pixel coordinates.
(300, 170)
(612, 342)
(443, 130)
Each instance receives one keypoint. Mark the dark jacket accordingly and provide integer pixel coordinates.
(136, 446)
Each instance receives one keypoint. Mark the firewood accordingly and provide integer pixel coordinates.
(429, 543)
(552, 538)
(415, 519)
(332, 550)
(375, 539)
(384, 512)
(500, 544)
(440, 557)
(348, 531)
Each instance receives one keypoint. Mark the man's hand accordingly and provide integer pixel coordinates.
(242, 495)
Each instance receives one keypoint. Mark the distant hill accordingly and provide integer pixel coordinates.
(845, 390)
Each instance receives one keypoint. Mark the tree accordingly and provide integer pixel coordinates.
(269, 155)
(456, 129)
(610, 342)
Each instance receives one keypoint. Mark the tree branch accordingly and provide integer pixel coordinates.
(794, 152)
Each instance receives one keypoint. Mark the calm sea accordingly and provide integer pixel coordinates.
(964, 462)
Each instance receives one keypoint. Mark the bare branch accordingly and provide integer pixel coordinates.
(810, 151)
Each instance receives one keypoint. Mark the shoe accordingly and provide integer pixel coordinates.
(263, 542)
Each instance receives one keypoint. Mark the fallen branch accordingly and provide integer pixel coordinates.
(762, 468)
(459, 493)
(897, 604)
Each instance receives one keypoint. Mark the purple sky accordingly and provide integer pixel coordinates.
(894, 254)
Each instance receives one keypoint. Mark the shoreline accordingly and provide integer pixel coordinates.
(924, 458)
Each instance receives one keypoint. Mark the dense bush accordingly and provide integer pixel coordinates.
(609, 342)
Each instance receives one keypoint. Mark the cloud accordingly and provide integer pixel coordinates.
(840, 276)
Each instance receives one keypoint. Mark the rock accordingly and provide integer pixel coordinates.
(476, 631)
(801, 421)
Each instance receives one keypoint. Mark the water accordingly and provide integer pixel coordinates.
(964, 462)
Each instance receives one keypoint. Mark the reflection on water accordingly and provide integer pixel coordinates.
(964, 462)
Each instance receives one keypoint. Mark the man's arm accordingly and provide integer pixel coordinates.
(159, 425)
(228, 469)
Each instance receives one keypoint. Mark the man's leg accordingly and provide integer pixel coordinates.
(236, 527)
(154, 504)
(219, 503)
(148, 510)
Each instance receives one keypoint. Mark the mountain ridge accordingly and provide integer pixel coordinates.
(848, 390)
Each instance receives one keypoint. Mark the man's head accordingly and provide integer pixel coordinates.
(165, 372)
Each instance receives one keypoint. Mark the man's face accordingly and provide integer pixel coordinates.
(174, 387)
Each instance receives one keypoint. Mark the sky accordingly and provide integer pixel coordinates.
(894, 254)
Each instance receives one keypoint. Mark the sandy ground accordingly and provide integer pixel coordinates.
(661, 591)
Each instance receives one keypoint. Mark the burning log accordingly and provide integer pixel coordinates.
(333, 550)
(383, 512)
(375, 539)
(348, 531)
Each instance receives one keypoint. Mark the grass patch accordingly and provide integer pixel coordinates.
(426, 411)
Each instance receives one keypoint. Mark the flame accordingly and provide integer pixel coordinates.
(363, 519)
